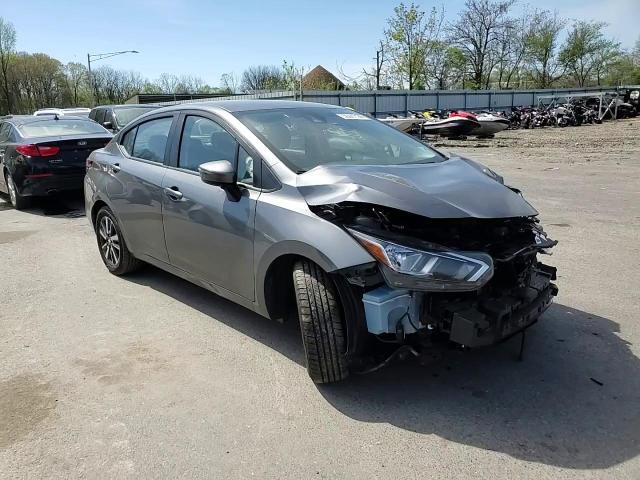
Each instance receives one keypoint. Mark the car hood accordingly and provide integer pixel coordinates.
(455, 188)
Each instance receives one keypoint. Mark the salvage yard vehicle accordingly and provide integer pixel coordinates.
(371, 234)
(114, 117)
(41, 155)
(77, 112)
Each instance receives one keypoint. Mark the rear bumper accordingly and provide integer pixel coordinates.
(41, 186)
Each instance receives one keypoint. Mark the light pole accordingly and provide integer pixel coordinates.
(101, 56)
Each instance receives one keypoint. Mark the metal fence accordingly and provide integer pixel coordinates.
(383, 102)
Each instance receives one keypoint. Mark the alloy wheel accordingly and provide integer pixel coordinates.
(12, 190)
(109, 241)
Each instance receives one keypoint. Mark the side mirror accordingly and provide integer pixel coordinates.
(107, 125)
(220, 172)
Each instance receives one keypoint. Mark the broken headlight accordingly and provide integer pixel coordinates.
(429, 270)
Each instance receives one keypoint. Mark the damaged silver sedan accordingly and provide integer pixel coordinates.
(318, 214)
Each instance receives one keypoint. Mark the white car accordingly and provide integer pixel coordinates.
(79, 111)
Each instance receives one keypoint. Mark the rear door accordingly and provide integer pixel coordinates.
(208, 233)
(135, 184)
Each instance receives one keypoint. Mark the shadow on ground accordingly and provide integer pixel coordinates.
(574, 401)
(67, 204)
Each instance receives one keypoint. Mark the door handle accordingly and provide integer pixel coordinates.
(115, 168)
(173, 193)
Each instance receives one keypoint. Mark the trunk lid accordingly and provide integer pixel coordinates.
(73, 153)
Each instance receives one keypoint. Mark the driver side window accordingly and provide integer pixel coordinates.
(203, 140)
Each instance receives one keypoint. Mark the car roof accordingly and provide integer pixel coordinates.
(128, 105)
(233, 106)
(19, 120)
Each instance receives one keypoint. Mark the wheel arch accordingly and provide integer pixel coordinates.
(274, 284)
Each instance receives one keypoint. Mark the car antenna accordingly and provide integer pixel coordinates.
(55, 116)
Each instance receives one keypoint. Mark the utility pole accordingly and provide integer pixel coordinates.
(90, 79)
(97, 57)
(379, 63)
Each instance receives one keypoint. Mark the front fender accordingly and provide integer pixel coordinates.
(286, 226)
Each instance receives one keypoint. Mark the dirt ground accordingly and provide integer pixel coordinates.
(149, 376)
(571, 145)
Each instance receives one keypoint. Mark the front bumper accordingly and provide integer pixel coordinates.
(487, 319)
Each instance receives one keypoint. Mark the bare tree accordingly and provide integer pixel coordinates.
(7, 50)
(262, 77)
(168, 83)
(76, 74)
(230, 82)
(477, 32)
(510, 50)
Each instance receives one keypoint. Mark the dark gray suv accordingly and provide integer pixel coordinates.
(372, 235)
(115, 117)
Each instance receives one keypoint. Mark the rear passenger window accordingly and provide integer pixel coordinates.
(127, 140)
(203, 140)
(5, 132)
(151, 140)
(100, 116)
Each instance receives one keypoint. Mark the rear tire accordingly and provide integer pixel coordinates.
(18, 201)
(112, 246)
(321, 323)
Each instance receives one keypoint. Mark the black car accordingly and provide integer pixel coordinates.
(43, 155)
(114, 117)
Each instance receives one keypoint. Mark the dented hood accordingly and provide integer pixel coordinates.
(455, 188)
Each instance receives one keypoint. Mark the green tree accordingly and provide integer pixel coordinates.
(541, 48)
(584, 50)
(410, 38)
(7, 51)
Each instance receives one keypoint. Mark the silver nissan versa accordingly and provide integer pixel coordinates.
(375, 237)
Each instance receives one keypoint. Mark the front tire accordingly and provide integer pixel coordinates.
(113, 249)
(18, 201)
(321, 323)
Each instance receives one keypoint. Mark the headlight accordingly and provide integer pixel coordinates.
(431, 270)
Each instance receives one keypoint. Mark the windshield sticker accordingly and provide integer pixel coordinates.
(352, 116)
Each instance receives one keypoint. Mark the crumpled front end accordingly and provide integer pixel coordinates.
(472, 281)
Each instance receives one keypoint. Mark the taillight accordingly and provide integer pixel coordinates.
(37, 151)
(48, 151)
(28, 150)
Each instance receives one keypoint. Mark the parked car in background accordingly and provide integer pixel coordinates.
(372, 234)
(40, 155)
(114, 117)
(78, 111)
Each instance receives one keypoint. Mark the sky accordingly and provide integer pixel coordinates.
(207, 38)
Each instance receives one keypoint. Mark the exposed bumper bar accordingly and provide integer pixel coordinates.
(488, 321)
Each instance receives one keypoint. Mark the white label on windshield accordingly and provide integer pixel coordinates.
(352, 116)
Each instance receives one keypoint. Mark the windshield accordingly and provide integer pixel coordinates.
(125, 115)
(52, 128)
(307, 137)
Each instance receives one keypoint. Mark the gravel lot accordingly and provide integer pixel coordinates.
(149, 376)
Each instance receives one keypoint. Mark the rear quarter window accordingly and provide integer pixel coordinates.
(151, 139)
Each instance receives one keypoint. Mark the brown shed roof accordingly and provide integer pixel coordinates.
(321, 79)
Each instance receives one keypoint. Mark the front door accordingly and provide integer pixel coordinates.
(208, 233)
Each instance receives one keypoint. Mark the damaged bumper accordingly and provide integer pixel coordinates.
(486, 320)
